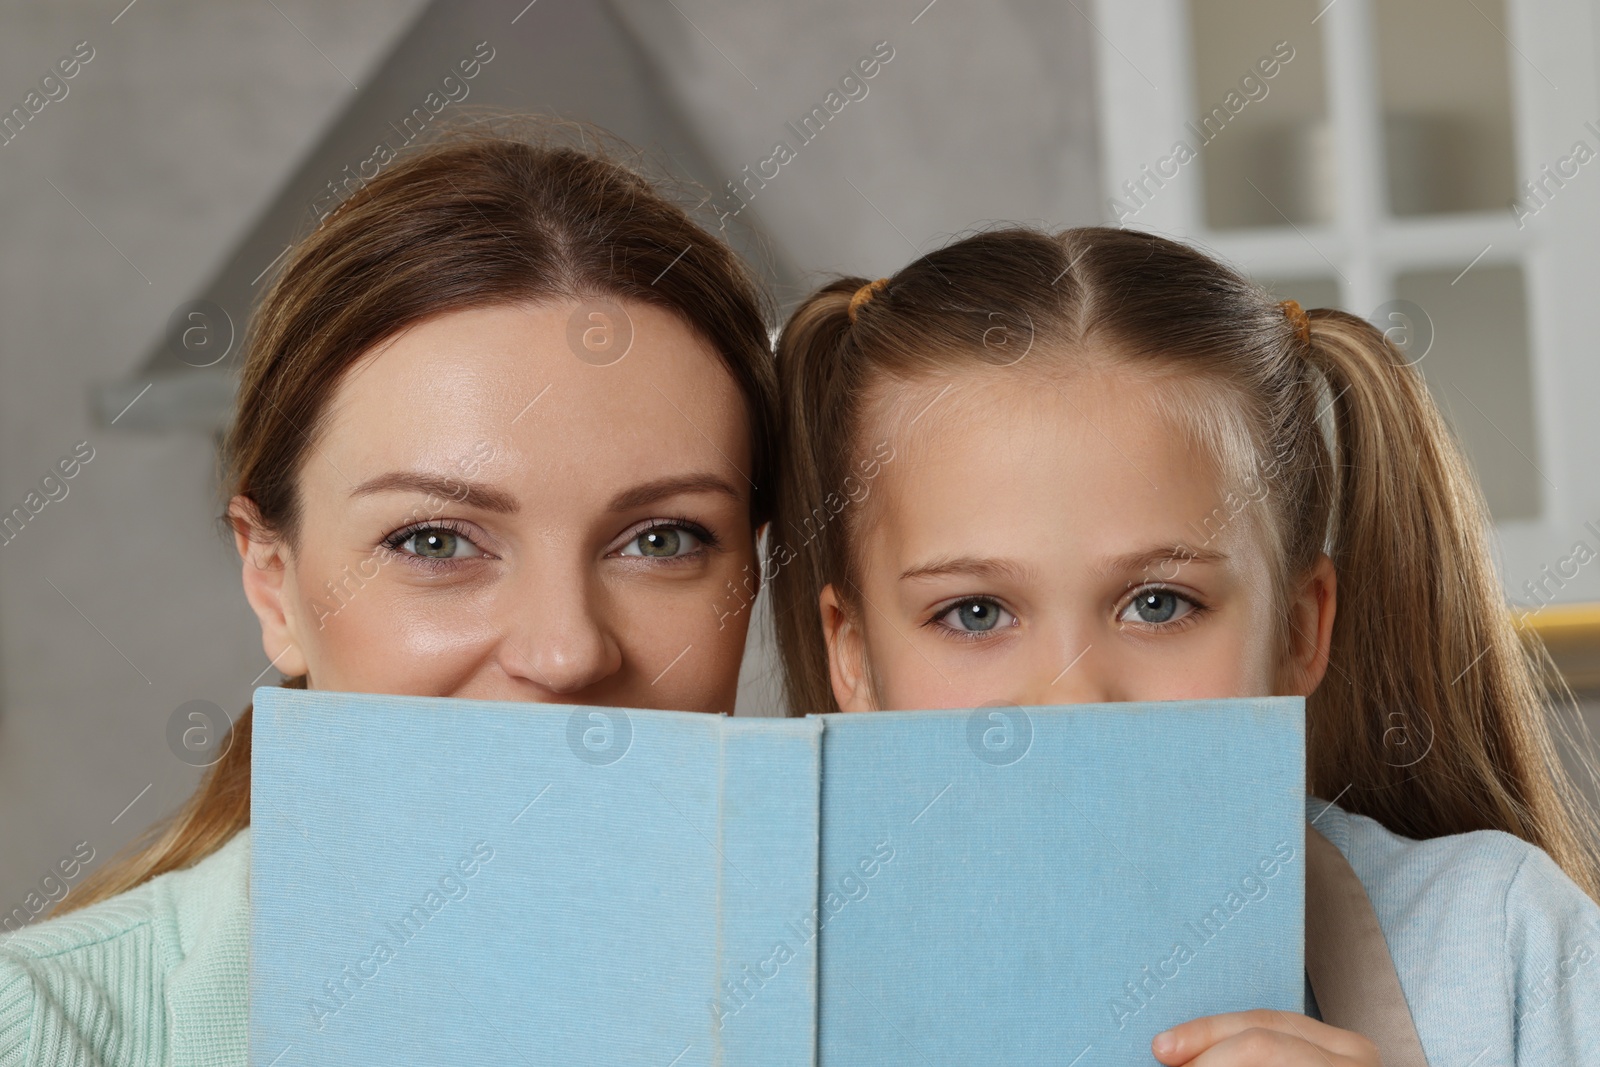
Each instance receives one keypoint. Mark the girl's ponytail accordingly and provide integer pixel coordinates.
(1431, 718)
(814, 383)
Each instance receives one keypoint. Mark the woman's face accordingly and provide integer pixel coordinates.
(485, 514)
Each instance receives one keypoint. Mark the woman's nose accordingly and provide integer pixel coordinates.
(554, 633)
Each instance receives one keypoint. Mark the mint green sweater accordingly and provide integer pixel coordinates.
(153, 976)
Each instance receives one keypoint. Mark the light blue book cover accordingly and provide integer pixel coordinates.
(438, 880)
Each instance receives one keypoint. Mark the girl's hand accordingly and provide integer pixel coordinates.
(1262, 1038)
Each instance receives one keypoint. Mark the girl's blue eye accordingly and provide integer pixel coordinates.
(437, 542)
(664, 542)
(975, 616)
(1154, 607)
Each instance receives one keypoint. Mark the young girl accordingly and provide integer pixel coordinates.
(1121, 471)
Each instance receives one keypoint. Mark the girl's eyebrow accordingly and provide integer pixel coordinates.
(973, 566)
(1142, 559)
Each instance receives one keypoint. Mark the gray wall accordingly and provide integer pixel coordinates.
(985, 112)
(170, 140)
(177, 146)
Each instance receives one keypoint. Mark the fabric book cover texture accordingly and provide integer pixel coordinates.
(438, 880)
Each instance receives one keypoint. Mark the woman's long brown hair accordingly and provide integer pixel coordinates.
(484, 217)
(1424, 655)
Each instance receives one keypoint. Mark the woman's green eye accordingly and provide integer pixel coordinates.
(664, 542)
(975, 616)
(435, 542)
(1155, 606)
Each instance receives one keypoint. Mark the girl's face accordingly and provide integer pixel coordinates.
(1054, 542)
(485, 514)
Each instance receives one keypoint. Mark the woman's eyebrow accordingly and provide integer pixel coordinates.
(974, 566)
(661, 488)
(484, 497)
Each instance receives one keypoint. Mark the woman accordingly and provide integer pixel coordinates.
(501, 433)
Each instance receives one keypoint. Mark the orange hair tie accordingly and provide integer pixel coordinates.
(863, 294)
(1298, 319)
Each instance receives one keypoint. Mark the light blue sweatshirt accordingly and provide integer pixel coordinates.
(1498, 951)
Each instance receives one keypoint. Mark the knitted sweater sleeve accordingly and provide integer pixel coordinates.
(154, 976)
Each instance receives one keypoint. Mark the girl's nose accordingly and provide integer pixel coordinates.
(1072, 676)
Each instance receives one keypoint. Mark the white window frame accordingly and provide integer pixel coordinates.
(1145, 81)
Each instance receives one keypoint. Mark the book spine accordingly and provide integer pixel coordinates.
(764, 1008)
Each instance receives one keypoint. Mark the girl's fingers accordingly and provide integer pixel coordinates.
(1272, 1048)
(1184, 1042)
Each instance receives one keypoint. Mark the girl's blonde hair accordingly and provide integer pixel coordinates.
(1355, 459)
(488, 215)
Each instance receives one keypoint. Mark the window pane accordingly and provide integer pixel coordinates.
(1260, 126)
(1308, 292)
(1477, 369)
(1446, 105)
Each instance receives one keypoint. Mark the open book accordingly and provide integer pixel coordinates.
(454, 881)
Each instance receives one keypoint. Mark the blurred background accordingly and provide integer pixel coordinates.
(1427, 164)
